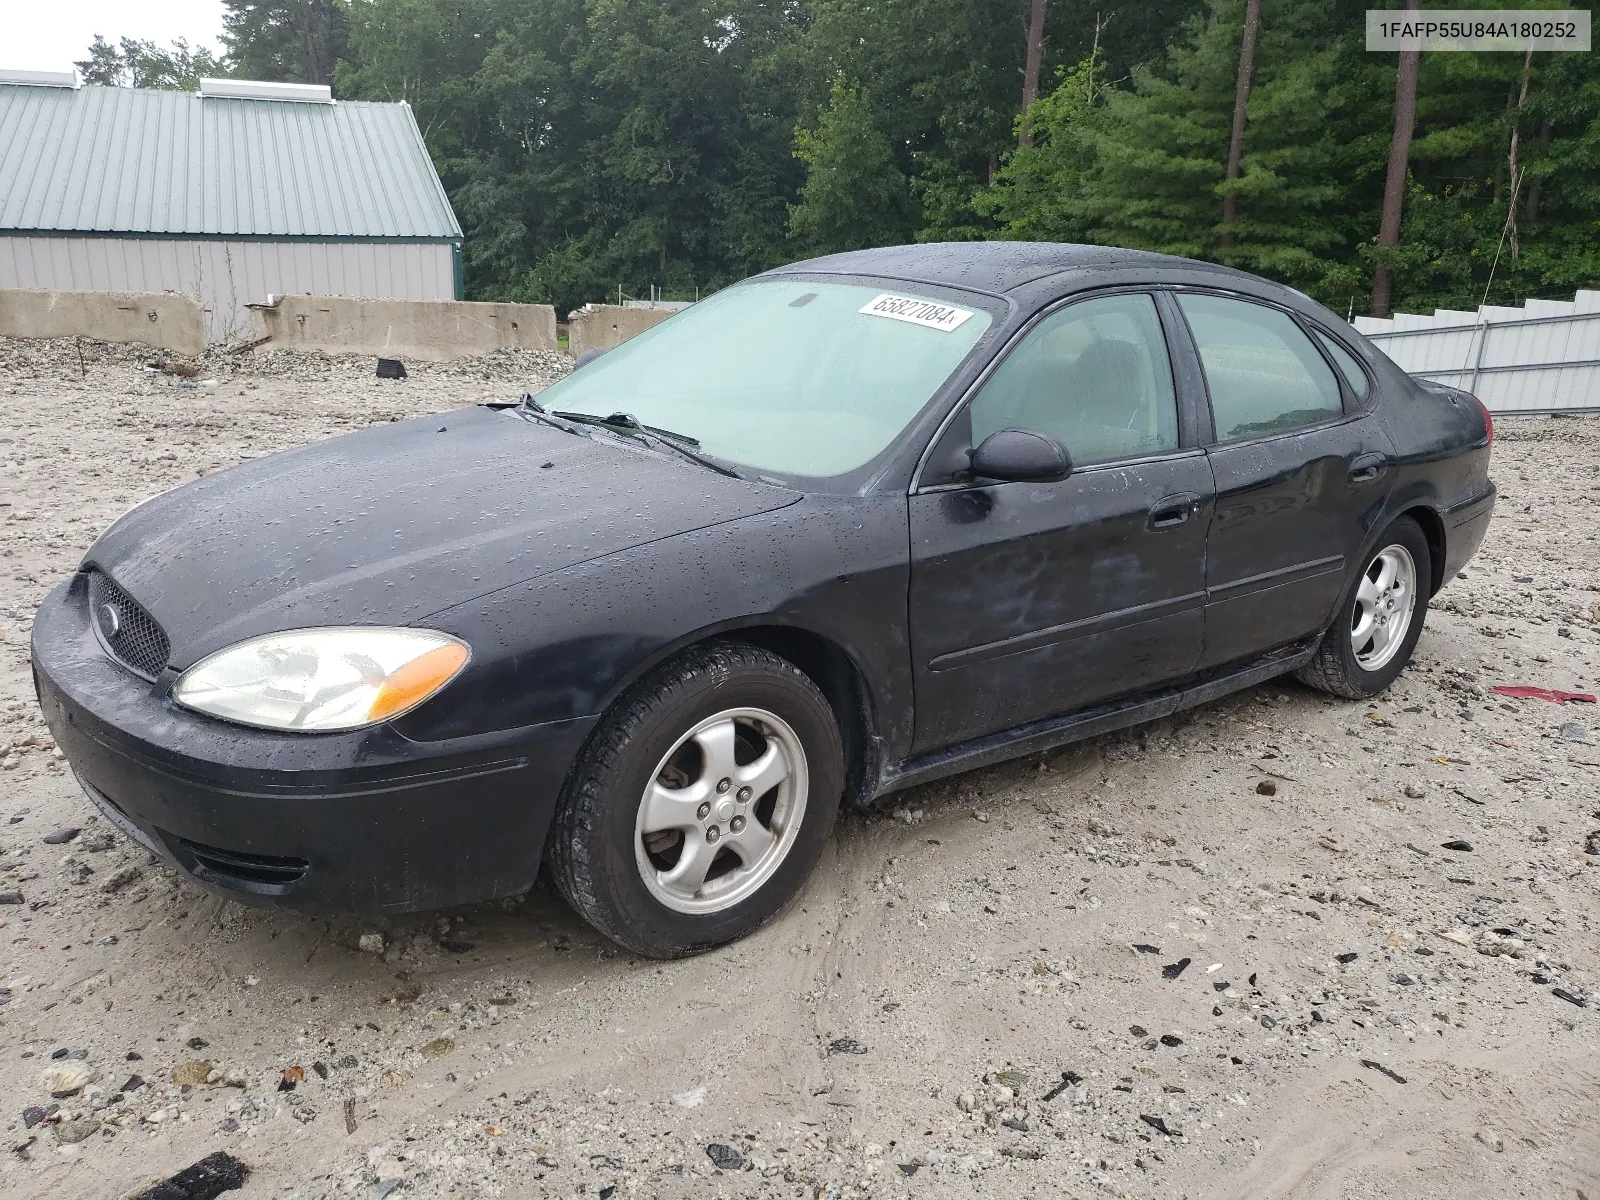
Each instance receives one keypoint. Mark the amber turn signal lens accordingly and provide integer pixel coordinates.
(418, 679)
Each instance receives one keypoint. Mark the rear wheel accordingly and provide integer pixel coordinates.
(1376, 631)
(701, 803)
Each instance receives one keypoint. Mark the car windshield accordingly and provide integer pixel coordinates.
(783, 376)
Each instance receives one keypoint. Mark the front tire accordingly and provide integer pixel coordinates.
(701, 803)
(1372, 639)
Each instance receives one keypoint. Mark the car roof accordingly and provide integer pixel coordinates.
(1001, 267)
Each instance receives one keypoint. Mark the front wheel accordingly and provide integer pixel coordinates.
(701, 803)
(1376, 631)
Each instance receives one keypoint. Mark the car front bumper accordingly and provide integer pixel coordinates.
(366, 821)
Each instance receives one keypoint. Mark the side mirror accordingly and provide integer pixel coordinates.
(1021, 456)
(588, 356)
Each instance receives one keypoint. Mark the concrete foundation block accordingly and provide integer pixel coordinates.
(166, 320)
(602, 326)
(430, 330)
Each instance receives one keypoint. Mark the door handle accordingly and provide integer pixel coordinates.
(1172, 511)
(1367, 468)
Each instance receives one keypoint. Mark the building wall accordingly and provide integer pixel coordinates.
(227, 275)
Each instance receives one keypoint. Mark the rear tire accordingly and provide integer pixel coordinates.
(701, 803)
(1372, 638)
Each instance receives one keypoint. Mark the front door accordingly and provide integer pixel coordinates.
(1034, 599)
(1301, 474)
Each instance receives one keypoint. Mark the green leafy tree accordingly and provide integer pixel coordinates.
(854, 195)
(132, 63)
(290, 41)
(1143, 165)
(492, 85)
(1160, 156)
(1561, 238)
(1042, 191)
(1455, 249)
(588, 145)
(1128, 35)
(944, 78)
(678, 78)
(592, 144)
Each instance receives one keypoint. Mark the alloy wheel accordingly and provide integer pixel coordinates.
(721, 811)
(1384, 601)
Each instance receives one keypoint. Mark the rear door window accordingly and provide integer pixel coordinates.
(1262, 372)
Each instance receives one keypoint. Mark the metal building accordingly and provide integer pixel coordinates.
(241, 191)
(1543, 357)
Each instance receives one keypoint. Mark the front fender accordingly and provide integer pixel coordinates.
(571, 642)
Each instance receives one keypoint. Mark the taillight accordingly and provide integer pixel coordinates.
(1488, 420)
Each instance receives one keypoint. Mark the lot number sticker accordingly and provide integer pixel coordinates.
(918, 312)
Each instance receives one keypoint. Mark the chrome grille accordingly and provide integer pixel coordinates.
(128, 633)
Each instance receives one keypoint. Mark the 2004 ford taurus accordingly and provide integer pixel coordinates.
(848, 526)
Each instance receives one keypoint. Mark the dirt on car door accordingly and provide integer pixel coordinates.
(1300, 473)
(1033, 599)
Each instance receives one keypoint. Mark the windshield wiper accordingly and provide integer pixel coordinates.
(627, 421)
(538, 412)
(631, 426)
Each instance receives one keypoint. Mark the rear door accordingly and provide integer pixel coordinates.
(1034, 599)
(1301, 470)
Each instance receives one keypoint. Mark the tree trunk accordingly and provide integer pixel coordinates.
(1394, 183)
(1241, 100)
(1511, 159)
(1030, 69)
(1536, 188)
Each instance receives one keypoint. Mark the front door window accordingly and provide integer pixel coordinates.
(1094, 376)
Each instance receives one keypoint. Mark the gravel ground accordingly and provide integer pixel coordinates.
(1227, 954)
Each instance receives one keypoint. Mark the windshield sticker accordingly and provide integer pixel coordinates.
(918, 312)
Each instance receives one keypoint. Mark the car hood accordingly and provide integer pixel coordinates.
(391, 524)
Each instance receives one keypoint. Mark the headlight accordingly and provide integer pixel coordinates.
(319, 680)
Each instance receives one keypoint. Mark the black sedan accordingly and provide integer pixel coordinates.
(848, 526)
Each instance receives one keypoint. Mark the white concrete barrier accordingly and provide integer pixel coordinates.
(165, 320)
(603, 326)
(431, 330)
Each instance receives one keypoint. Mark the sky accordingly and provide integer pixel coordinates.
(48, 35)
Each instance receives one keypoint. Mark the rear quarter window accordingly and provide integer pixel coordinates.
(1347, 364)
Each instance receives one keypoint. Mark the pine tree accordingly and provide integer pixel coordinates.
(1452, 251)
(1159, 156)
(591, 143)
(1160, 151)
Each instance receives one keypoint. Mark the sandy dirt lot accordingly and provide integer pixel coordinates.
(1224, 955)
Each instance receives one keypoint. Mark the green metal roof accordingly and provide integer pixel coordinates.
(131, 161)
